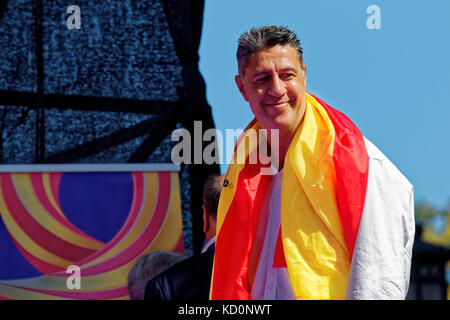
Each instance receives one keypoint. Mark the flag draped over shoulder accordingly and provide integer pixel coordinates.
(322, 197)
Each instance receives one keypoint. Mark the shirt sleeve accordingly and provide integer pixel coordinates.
(381, 261)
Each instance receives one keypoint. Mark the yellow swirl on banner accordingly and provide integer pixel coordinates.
(150, 193)
(165, 239)
(24, 294)
(25, 241)
(49, 193)
(34, 207)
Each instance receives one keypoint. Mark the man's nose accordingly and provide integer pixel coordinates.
(277, 87)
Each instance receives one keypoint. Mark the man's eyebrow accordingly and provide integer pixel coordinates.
(261, 73)
(289, 69)
(265, 72)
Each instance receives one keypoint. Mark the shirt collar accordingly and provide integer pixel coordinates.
(208, 244)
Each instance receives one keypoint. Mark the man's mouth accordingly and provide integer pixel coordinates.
(280, 104)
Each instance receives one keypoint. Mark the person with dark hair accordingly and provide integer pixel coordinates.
(211, 195)
(190, 279)
(333, 220)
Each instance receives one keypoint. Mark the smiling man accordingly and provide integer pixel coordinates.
(334, 221)
(273, 81)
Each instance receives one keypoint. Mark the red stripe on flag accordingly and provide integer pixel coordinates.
(351, 163)
(238, 229)
(279, 260)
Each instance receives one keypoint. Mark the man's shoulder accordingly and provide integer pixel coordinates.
(385, 167)
(185, 268)
(184, 265)
(154, 290)
(189, 279)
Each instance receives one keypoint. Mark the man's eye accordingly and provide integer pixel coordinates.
(288, 75)
(261, 79)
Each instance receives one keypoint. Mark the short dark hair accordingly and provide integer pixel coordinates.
(265, 37)
(211, 194)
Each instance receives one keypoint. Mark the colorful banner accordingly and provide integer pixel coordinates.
(101, 221)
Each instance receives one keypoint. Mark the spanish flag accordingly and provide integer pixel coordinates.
(322, 197)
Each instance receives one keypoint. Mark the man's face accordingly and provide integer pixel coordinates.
(274, 85)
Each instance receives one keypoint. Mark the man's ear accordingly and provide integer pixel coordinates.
(205, 220)
(240, 84)
(304, 74)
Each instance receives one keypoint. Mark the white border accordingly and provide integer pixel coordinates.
(97, 167)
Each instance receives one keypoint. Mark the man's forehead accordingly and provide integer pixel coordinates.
(279, 57)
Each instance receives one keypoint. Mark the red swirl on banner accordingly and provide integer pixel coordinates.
(39, 229)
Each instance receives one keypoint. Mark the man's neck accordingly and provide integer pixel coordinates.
(284, 141)
(285, 137)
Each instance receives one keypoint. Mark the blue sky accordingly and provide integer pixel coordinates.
(393, 82)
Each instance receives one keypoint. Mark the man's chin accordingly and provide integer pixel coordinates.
(280, 121)
(276, 124)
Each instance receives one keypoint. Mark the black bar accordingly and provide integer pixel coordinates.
(86, 103)
(40, 104)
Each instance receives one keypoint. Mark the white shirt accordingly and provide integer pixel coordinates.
(208, 244)
(381, 261)
(272, 283)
